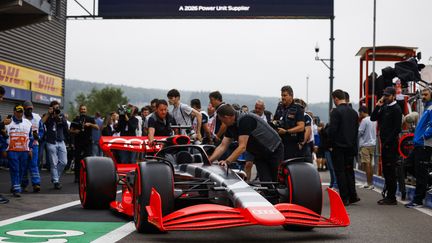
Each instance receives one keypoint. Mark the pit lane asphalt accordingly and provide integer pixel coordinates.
(369, 221)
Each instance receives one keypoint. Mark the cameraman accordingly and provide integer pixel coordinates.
(290, 125)
(82, 126)
(127, 126)
(56, 133)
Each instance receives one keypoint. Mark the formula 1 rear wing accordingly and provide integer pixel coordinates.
(139, 144)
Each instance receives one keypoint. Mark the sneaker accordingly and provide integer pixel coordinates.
(3, 200)
(57, 185)
(16, 194)
(370, 187)
(413, 204)
(387, 201)
(36, 188)
(364, 186)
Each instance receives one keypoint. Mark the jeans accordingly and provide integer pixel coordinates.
(333, 181)
(32, 165)
(58, 158)
(17, 162)
(96, 149)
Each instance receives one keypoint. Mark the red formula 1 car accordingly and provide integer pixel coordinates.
(177, 188)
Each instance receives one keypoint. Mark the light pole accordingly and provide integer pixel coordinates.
(330, 67)
(307, 89)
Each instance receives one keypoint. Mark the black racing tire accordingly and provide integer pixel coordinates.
(97, 182)
(152, 174)
(303, 188)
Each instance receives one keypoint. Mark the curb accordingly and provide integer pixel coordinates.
(378, 182)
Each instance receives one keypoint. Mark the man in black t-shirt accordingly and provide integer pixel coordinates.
(82, 126)
(160, 121)
(253, 135)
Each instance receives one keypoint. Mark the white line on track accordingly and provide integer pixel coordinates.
(40, 212)
(423, 209)
(117, 234)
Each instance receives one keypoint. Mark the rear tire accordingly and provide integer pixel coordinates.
(152, 174)
(97, 184)
(303, 188)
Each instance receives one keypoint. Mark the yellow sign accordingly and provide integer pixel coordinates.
(20, 77)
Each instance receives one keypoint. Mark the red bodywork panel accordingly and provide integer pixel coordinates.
(212, 216)
(134, 144)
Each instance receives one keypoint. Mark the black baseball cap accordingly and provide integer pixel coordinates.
(389, 91)
(18, 108)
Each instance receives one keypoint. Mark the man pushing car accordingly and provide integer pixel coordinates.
(253, 135)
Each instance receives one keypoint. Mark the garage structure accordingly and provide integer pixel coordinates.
(32, 52)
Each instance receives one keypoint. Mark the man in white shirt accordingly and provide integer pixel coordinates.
(367, 142)
(183, 114)
(32, 164)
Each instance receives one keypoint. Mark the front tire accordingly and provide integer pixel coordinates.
(152, 174)
(303, 188)
(97, 184)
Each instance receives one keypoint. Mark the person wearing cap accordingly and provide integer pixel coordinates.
(367, 142)
(389, 117)
(33, 162)
(20, 143)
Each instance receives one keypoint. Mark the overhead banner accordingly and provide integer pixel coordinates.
(15, 76)
(214, 9)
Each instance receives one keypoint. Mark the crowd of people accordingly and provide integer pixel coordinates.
(240, 136)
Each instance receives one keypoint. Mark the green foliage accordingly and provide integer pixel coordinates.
(76, 91)
(103, 101)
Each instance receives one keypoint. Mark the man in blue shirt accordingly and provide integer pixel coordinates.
(96, 134)
(422, 150)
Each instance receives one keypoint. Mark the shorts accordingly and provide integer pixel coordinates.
(367, 154)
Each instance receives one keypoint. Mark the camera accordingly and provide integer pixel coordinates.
(277, 124)
(123, 110)
(57, 111)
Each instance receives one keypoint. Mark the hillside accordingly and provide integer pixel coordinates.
(142, 96)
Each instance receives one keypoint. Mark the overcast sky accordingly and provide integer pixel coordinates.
(242, 56)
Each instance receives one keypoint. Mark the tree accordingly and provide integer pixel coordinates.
(103, 101)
